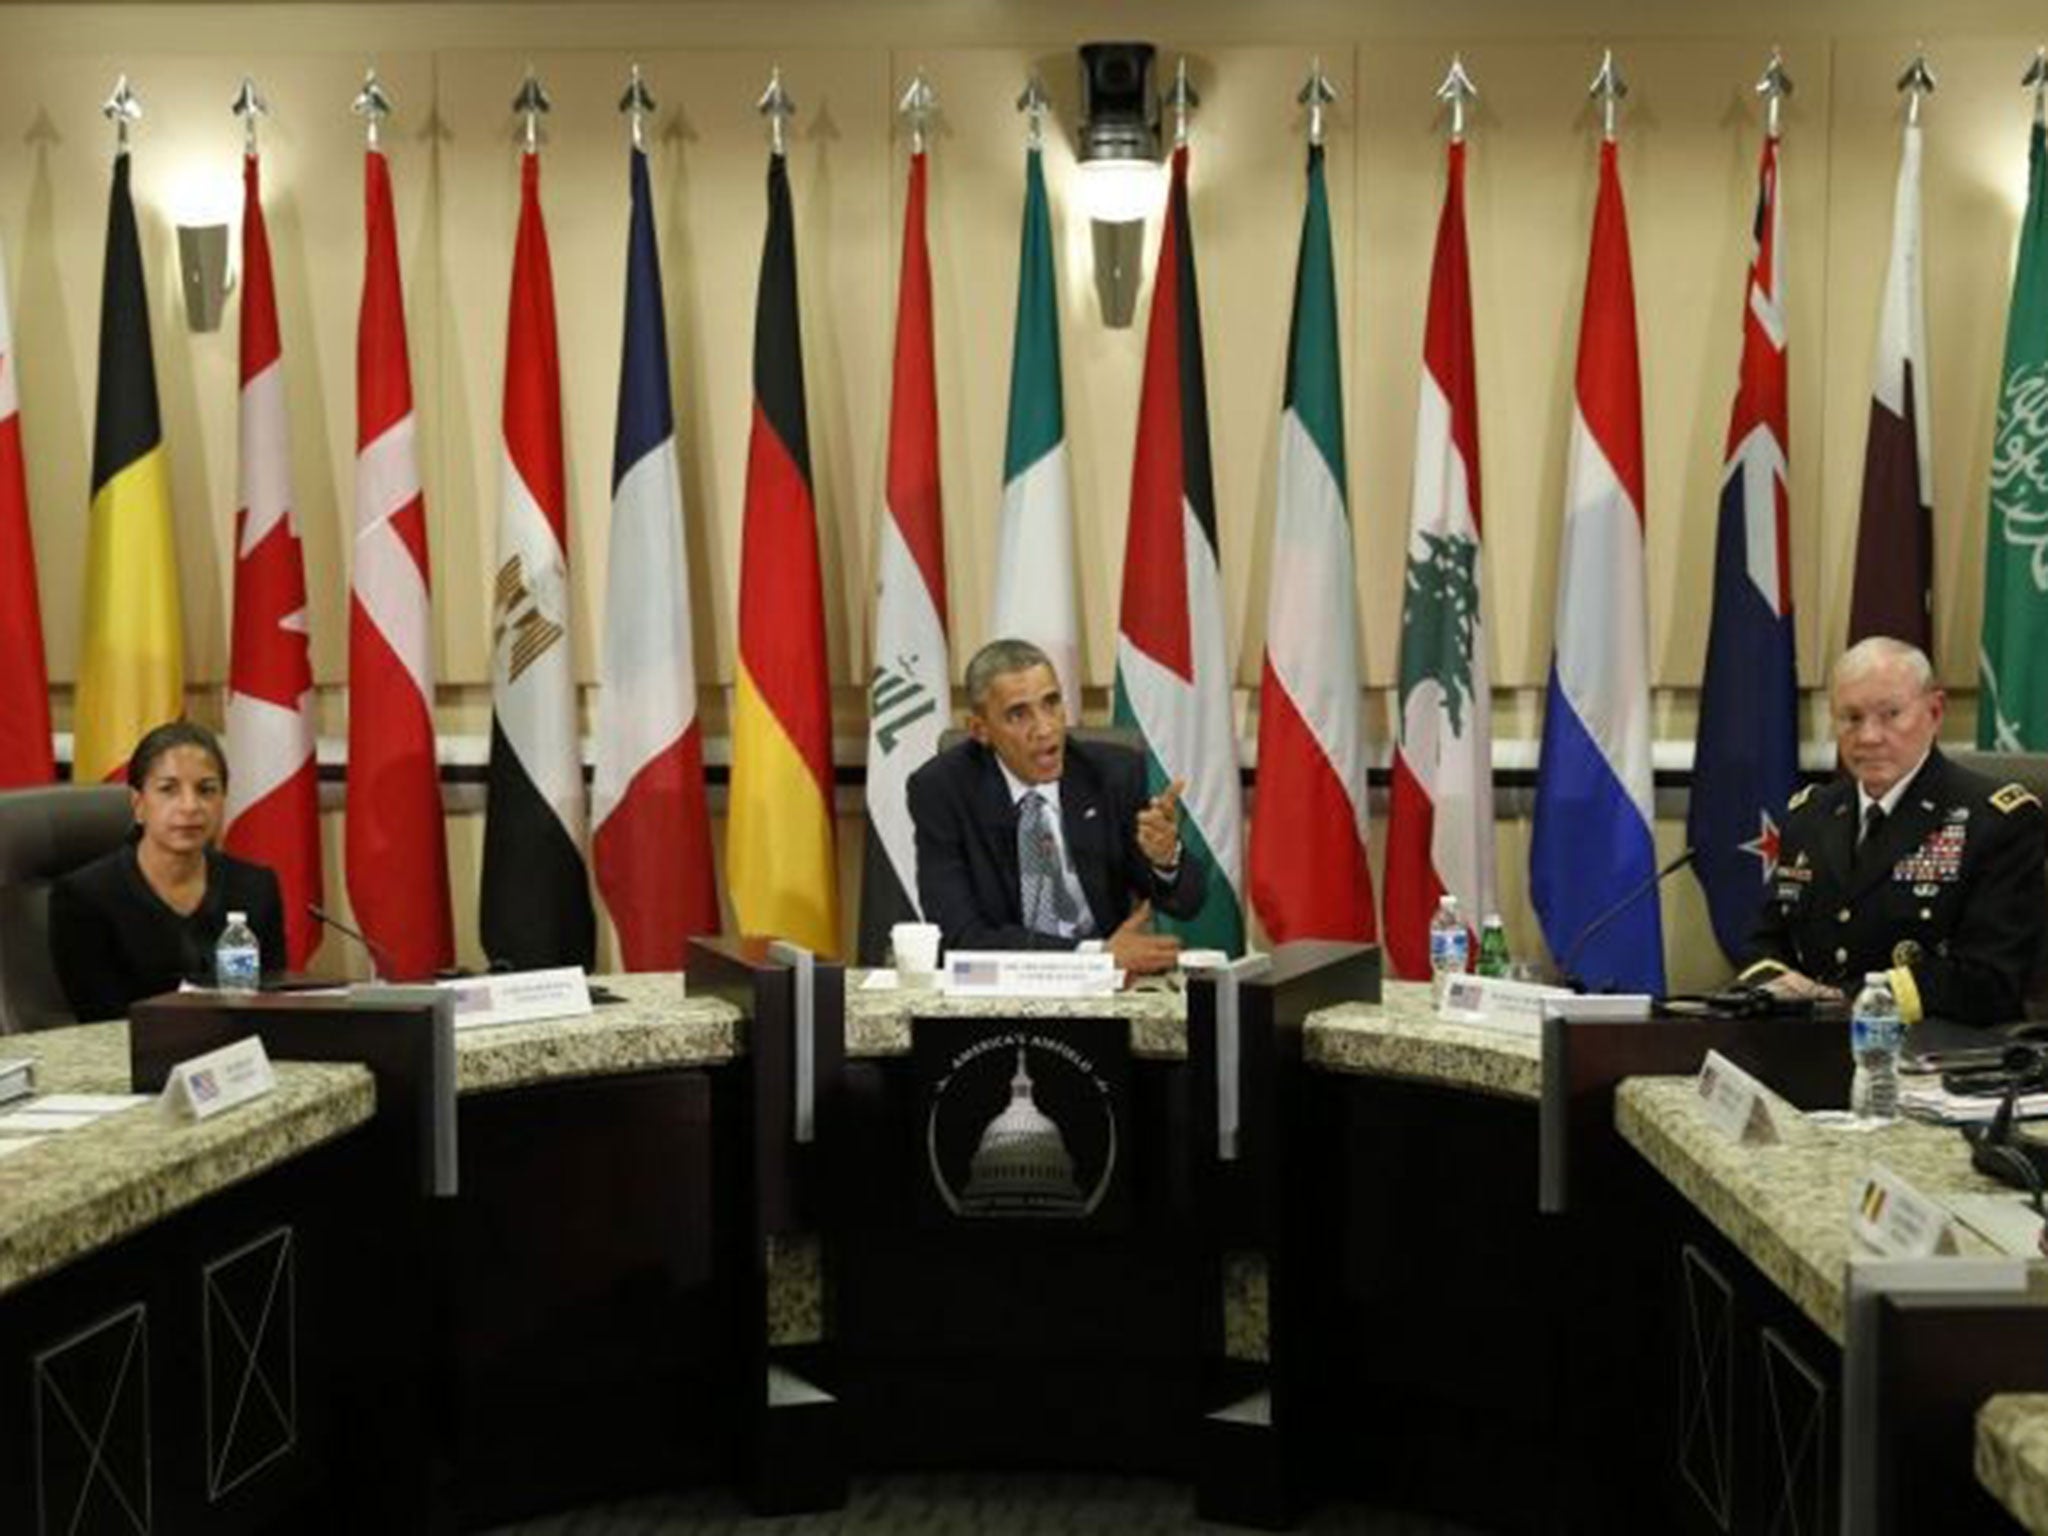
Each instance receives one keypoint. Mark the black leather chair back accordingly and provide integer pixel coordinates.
(2030, 769)
(45, 833)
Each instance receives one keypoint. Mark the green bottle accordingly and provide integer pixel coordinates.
(1493, 947)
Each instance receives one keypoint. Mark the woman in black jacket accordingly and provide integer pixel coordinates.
(144, 918)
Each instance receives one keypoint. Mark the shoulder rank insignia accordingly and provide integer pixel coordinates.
(2012, 797)
(1800, 798)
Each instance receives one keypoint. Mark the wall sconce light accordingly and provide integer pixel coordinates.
(205, 218)
(203, 264)
(1119, 167)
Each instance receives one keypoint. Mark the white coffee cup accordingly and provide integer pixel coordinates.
(916, 946)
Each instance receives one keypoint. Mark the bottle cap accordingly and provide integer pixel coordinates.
(238, 917)
(1447, 902)
(1877, 978)
(1493, 921)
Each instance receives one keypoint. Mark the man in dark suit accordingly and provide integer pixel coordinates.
(1026, 840)
(1909, 864)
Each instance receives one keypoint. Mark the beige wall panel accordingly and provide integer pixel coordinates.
(1245, 204)
(53, 199)
(1689, 138)
(709, 166)
(1973, 184)
(1689, 145)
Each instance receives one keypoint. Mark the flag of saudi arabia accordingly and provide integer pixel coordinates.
(1172, 667)
(1035, 547)
(2014, 660)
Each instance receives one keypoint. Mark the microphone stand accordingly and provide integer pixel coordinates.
(1607, 915)
(370, 947)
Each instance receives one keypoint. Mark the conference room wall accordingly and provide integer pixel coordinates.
(1689, 140)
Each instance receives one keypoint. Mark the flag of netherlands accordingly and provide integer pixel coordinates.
(1592, 843)
(1173, 681)
(1747, 758)
(1440, 814)
(273, 810)
(535, 907)
(26, 756)
(1309, 873)
(1034, 581)
(910, 686)
(651, 828)
(397, 852)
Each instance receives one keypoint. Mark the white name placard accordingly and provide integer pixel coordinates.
(206, 1085)
(1735, 1102)
(1494, 1002)
(1893, 1220)
(1029, 973)
(1599, 1007)
(520, 997)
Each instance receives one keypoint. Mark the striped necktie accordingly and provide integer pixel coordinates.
(1049, 906)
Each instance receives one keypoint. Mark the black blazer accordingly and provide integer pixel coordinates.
(967, 879)
(1951, 890)
(114, 942)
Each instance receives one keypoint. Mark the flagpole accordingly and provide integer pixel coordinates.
(1034, 104)
(531, 104)
(1183, 99)
(372, 105)
(122, 109)
(1774, 85)
(1918, 83)
(918, 105)
(1316, 94)
(250, 107)
(778, 106)
(638, 105)
(1608, 88)
(1460, 92)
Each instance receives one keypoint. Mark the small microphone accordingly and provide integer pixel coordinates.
(1635, 894)
(378, 959)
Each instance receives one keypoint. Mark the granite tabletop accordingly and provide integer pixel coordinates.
(1786, 1206)
(81, 1058)
(652, 1025)
(1398, 1037)
(878, 1018)
(2012, 1455)
(1401, 1037)
(82, 1189)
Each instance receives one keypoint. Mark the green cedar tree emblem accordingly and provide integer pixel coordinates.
(1438, 618)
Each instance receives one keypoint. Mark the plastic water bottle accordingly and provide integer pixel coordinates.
(1876, 1036)
(237, 958)
(1450, 946)
(1493, 946)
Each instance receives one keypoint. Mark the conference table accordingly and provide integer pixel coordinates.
(1345, 1264)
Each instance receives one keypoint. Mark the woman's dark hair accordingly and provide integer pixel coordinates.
(168, 738)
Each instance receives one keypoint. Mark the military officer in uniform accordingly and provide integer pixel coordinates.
(1909, 864)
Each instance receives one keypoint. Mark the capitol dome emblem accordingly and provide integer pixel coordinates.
(1021, 1127)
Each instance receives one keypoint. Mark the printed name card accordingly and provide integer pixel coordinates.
(1894, 1220)
(520, 997)
(1494, 1002)
(1735, 1102)
(206, 1085)
(1029, 973)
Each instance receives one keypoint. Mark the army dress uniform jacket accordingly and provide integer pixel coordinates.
(1948, 897)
